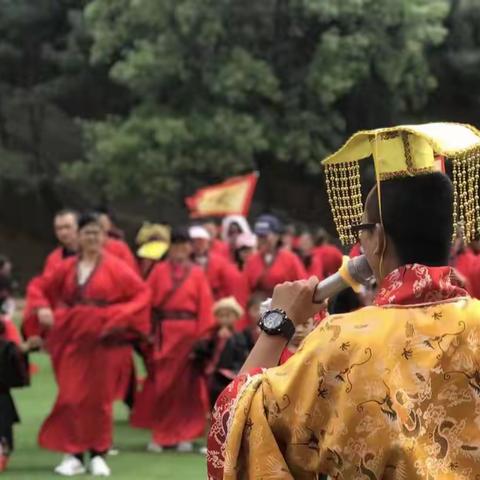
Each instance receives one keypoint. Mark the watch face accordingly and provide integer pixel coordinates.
(273, 320)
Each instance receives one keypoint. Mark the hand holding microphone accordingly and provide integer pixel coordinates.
(304, 298)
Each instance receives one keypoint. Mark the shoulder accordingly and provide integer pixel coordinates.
(56, 253)
(287, 255)
(115, 244)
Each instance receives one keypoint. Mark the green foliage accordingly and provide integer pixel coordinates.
(39, 49)
(223, 86)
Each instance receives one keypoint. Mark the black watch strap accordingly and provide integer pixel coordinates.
(288, 328)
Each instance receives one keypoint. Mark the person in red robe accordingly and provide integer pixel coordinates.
(218, 246)
(271, 264)
(223, 276)
(90, 306)
(121, 250)
(173, 403)
(355, 251)
(330, 255)
(65, 224)
(13, 373)
(304, 249)
(245, 245)
(232, 227)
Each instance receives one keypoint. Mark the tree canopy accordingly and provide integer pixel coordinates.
(222, 86)
(137, 97)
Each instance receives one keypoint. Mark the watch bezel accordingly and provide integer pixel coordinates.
(286, 328)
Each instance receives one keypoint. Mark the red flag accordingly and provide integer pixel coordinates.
(233, 196)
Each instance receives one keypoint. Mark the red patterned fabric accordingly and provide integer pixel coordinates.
(414, 284)
(407, 285)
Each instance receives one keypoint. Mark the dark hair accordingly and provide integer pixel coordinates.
(417, 215)
(67, 211)
(180, 235)
(344, 302)
(321, 237)
(88, 218)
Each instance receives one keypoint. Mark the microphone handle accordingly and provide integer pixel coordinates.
(329, 287)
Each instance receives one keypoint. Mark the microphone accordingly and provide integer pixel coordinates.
(353, 273)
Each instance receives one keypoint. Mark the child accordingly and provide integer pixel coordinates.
(13, 373)
(227, 312)
(236, 349)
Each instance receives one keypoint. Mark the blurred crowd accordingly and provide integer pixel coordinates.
(187, 302)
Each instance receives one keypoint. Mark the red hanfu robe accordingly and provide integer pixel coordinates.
(30, 326)
(174, 402)
(86, 345)
(355, 251)
(121, 250)
(221, 248)
(54, 259)
(11, 333)
(316, 267)
(468, 266)
(331, 257)
(225, 279)
(286, 267)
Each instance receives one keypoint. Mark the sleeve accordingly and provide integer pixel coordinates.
(125, 254)
(11, 332)
(261, 413)
(133, 311)
(45, 288)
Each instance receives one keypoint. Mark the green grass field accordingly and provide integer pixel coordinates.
(29, 462)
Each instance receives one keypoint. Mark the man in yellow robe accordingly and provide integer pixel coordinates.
(391, 391)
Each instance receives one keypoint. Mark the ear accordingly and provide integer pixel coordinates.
(380, 240)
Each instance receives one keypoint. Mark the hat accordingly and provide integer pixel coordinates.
(266, 224)
(154, 250)
(229, 303)
(405, 151)
(153, 231)
(198, 231)
(246, 240)
(180, 235)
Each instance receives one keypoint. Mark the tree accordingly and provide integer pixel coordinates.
(224, 86)
(46, 81)
(457, 66)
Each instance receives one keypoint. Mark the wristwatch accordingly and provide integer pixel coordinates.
(276, 322)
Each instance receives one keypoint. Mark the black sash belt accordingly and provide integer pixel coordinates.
(173, 315)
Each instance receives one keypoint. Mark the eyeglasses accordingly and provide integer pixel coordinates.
(356, 229)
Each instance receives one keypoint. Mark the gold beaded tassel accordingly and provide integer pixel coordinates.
(460, 194)
(456, 196)
(470, 185)
(466, 209)
(476, 179)
(473, 169)
(344, 196)
(332, 192)
(355, 194)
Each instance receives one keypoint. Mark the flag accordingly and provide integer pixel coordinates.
(233, 196)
